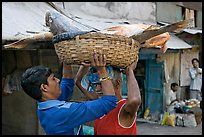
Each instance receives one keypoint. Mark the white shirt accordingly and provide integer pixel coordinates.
(196, 82)
(170, 96)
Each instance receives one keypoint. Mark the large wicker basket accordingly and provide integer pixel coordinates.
(120, 51)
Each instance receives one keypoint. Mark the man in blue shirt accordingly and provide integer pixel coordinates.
(56, 115)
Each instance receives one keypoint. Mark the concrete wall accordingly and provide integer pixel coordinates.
(168, 12)
(18, 109)
(7, 68)
(199, 19)
(18, 114)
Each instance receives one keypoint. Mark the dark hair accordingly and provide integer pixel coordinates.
(32, 79)
(173, 85)
(194, 59)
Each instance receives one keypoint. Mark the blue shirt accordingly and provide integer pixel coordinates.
(66, 87)
(61, 117)
(89, 80)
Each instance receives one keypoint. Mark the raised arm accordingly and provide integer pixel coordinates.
(67, 83)
(67, 71)
(134, 97)
(193, 74)
(83, 69)
(99, 62)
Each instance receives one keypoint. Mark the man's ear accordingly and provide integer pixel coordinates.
(43, 87)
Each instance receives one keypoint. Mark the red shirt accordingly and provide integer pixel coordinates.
(109, 124)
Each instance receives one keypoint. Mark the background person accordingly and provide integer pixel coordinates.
(195, 74)
(172, 97)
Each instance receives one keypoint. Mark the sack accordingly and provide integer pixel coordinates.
(189, 120)
(179, 120)
(171, 120)
(198, 114)
(146, 113)
(166, 114)
(186, 120)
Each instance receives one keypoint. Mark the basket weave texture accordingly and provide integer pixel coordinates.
(120, 51)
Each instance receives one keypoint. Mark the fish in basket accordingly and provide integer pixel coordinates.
(120, 44)
(75, 46)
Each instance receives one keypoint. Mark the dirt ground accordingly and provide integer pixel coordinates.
(156, 129)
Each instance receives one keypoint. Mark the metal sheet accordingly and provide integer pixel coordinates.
(19, 17)
(175, 43)
(192, 31)
(189, 30)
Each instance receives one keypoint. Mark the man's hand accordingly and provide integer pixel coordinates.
(131, 67)
(98, 60)
(199, 72)
(83, 69)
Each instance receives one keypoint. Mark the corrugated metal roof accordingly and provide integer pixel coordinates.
(20, 17)
(188, 30)
(193, 31)
(176, 43)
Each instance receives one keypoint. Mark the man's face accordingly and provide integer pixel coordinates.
(195, 64)
(54, 86)
(175, 88)
(99, 90)
(117, 84)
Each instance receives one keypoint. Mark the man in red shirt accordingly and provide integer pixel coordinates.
(122, 119)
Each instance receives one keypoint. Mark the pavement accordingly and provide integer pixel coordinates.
(144, 128)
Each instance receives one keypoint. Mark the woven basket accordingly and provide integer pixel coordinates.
(120, 51)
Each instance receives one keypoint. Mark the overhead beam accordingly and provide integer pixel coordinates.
(190, 5)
